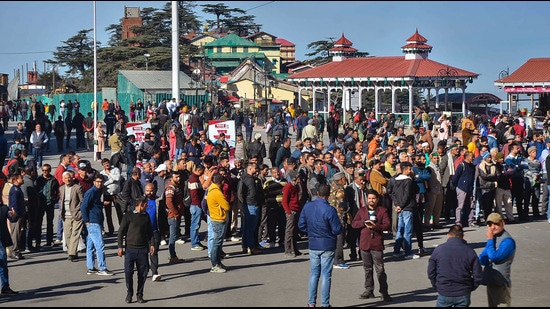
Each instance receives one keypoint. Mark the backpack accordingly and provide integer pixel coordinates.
(186, 195)
(6, 169)
(204, 204)
(357, 117)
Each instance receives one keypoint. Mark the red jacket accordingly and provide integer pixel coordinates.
(290, 198)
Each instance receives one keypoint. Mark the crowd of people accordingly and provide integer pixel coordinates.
(379, 183)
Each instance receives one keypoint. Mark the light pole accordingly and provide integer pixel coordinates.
(196, 78)
(501, 75)
(147, 61)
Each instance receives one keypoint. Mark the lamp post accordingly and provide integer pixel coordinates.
(501, 75)
(196, 78)
(212, 76)
(444, 75)
(147, 61)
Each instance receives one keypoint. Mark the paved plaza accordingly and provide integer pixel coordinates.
(47, 278)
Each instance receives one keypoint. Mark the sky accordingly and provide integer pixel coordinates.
(484, 37)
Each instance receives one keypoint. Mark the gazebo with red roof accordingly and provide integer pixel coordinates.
(347, 73)
(532, 78)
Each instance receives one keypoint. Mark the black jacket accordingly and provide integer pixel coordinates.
(403, 190)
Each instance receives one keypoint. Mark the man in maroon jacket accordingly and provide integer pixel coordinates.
(291, 196)
(372, 221)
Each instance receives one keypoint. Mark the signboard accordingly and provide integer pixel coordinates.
(526, 89)
(215, 127)
(137, 129)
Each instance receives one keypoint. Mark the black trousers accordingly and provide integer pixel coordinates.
(136, 258)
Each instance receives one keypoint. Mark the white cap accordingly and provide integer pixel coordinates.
(161, 167)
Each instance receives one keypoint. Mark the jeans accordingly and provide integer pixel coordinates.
(196, 213)
(94, 242)
(174, 226)
(4, 278)
(320, 265)
(456, 301)
(218, 230)
(404, 232)
(209, 235)
(250, 216)
(37, 153)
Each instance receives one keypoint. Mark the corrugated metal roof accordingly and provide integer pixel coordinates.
(226, 63)
(154, 79)
(535, 70)
(231, 40)
(284, 42)
(236, 55)
(392, 66)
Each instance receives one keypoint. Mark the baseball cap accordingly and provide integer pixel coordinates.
(494, 218)
(257, 135)
(338, 176)
(293, 175)
(82, 165)
(161, 167)
(359, 173)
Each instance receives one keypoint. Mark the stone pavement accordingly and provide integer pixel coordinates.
(47, 278)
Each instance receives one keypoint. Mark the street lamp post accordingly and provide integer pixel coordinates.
(196, 78)
(147, 61)
(501, 75)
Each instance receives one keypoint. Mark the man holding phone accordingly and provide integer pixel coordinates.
(372, 221)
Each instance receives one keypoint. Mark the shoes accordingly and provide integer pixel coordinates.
(234, 238)
(58, 241)
(222, 266)
(73, 258)
(180, 241)
(163, 242)
(353, 258)
(199, 247)
(548, 220)
(412, 257)
(254, 251)
(473, 224)
(366, 295)
(128, 298)
(9, 291)
(341, 266)
(91, 271)
(156, 278)
(141, 300)
(217, 269)
(175, 260)
(423, 251)
(298, 253)
(265, 244)
(105, 272)
(290, 255)
(386, 297)
(398, 255)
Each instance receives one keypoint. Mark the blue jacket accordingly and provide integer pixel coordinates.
(454, 268)
(420, 177)
(464, 177)
(516, 164)
(492, 141)
(92, 207)
(320, 222)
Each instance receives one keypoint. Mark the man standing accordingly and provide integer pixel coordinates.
(197, 194)
(153, 209)
(321, 223)
(463, 179)
(249, 195)
(18, 223)
(372, 221)
(59, 132)
(48, 188)
(38, 141)
(218, 208)
(112, 188)
(291, 197)
(70, 199)
(337, 200)
(137, 230)
(88, 125)
(92, 216)
(497, 257)
(249, 126)
(5, 242)
(174, 203)
(454, 270)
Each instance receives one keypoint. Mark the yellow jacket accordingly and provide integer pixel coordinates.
(218, 206)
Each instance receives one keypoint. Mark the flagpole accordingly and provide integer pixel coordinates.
(95, 87)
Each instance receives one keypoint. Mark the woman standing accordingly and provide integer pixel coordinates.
(172, 141)
(100, 137)
(444, 126)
